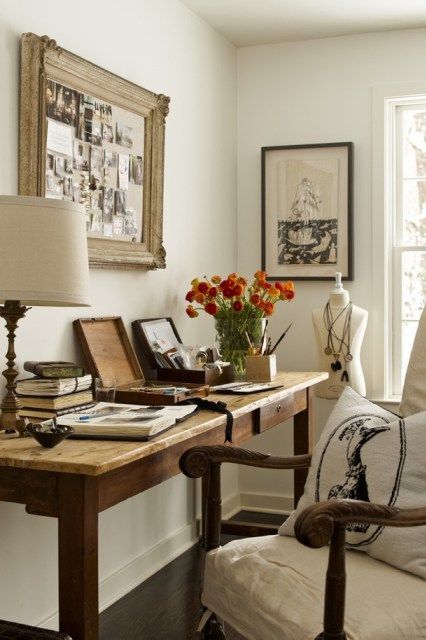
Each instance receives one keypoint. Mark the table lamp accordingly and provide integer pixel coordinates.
(43, 262)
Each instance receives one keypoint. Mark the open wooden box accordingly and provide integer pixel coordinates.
(151, 369)
(108, 353)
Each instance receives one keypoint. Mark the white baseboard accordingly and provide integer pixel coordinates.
(266, 502)
(121, 582)
(231, 505)
(256, 501)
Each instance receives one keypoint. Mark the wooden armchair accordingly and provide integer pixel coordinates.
(272, 588)
(321, 524)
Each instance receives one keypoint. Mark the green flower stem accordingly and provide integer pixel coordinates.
(231, 332)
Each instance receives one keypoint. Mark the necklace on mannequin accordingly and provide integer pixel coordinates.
(338, 347)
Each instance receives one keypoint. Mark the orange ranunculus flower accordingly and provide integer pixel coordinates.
(191, 311)
(211, 308)
(288, 295)
(288, 290)
(269, 309)
(211, 294)
(274, 292)
(264, 285)
(203, 287)
(238, 305)
(228, 292)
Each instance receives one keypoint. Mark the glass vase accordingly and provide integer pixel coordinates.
(231, 338)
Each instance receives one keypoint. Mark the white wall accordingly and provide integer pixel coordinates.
(300, 93)
(162, 46)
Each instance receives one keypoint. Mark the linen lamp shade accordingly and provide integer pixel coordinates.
(43, 252)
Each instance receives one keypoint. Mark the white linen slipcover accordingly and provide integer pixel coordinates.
(272, 588)
(414, 392)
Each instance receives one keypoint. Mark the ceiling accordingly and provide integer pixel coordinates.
(251, 22)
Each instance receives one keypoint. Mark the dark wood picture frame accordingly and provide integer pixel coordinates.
(145, 353)
(317, 179)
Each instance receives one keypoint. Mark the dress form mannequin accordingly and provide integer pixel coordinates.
(353, 320)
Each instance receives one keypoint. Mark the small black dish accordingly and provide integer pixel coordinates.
(48, 437)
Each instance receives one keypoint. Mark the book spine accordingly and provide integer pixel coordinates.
(59, 372)
(59, 412)
(54, 371)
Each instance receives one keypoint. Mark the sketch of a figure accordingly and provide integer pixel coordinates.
(307, 212)
(306, 202)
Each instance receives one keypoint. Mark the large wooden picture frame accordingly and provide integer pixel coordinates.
(307, 211)
(48, 69)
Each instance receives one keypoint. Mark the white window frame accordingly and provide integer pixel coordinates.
(386, 259)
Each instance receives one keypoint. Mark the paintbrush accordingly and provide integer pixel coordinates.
(282, 336)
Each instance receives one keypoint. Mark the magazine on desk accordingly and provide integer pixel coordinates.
(244, 388)
(125, 421)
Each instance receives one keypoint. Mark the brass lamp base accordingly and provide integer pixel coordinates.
(12, 311)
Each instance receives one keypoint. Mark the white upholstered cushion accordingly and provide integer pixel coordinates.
(272, 588)
(414, 393)
(367, 453)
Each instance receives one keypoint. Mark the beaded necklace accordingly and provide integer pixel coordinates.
(338, 347)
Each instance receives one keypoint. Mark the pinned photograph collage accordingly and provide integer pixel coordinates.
(95, 157)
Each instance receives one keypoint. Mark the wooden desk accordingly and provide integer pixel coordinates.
(77, 480)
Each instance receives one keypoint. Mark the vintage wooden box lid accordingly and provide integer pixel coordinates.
(107, 349)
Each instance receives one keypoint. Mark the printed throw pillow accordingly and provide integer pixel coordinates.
(368, 453)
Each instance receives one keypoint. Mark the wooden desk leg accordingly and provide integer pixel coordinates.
(78, 556)
(303, 442)
(204, 487)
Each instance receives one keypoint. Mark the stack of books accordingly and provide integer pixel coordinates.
(57, 388)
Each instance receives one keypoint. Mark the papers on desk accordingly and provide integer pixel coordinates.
(125, 420)
(245, 387)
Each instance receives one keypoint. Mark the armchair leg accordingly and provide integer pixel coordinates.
(213, 630)
(210, 628)
(335, 589)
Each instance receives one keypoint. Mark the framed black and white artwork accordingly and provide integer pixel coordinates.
(307, 211)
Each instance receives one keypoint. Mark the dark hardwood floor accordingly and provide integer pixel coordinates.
(166, 606)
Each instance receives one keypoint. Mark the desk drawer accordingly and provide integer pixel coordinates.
(281, 410)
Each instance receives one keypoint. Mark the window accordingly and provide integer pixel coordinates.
(399, 230)
(409, 232)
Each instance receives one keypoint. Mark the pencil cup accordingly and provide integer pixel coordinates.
(261, 368)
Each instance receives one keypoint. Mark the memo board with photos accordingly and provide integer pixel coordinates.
(94, 157)
(92, 137)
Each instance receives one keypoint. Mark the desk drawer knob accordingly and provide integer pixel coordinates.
(278, 408)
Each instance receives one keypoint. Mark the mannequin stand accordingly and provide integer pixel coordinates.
(339, 331)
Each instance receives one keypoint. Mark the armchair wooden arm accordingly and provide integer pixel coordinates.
(324, 523)
(204, 462)
(195, 462)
